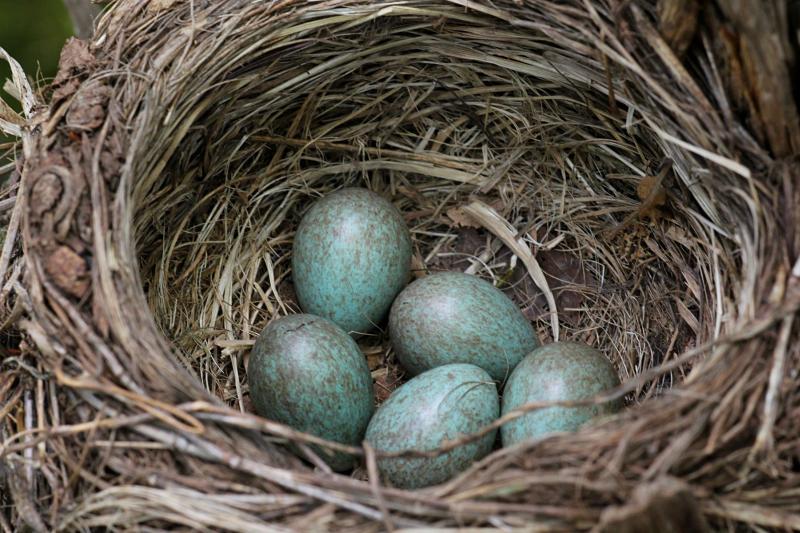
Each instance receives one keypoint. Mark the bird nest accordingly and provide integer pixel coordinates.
(560, 150)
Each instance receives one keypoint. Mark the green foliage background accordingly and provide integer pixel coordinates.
(33, 32)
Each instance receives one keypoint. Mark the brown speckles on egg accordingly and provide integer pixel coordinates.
(351, 256)
(435, 407)
(557, 372)
(304, 371)
(452, 317)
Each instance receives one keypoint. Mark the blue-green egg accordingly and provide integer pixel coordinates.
(306, 372)
(562, 371)
(429, 410)
(452, 317)
(351, 256)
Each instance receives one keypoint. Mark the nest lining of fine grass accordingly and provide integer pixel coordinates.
(433, 133)
(195, 140)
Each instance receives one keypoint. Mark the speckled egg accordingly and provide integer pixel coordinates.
(561, 371)
(439, 405)
(452, 317)
(351, 256)
(306, 372)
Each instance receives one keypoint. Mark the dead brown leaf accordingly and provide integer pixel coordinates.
(68, 271)
(677, 20)
(568, 278)
(653, 195)
(387, 380)
(45, 193)
(154, 6)
(461, 219)
(418, 269)
(87, 110)
(75, 58)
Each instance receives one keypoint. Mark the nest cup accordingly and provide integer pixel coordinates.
(538, 146)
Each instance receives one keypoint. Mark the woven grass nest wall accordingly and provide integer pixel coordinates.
(561, 150)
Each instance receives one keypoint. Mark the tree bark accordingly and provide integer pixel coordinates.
(764, 34)
(677, 20)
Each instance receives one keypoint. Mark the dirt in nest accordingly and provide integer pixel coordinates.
(288, 295)
(568, 279)
(567, 276)
(387, 374)
(453, 255)
(387, 379)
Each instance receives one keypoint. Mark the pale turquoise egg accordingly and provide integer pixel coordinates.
(351, 256)
(306, 372)
(560, 371)
(437, 406)
(452, 317)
